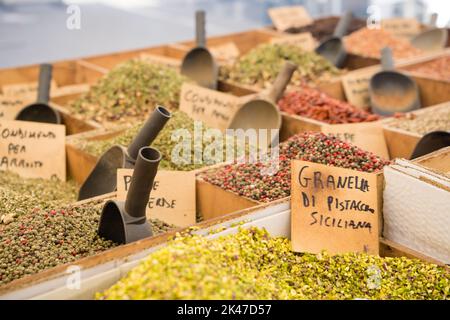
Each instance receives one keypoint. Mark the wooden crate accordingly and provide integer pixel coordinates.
(438, 161)
(104, 269)
(244, 41)
(65, 74)
(401, 143)
(171, 52)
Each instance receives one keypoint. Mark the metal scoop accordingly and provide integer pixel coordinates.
(40, 111)
(125, 222)
(433, 39)
(262, 112)
(199, 64)
(102, 178)
(333, 48)
(431, 142)
(391, 91)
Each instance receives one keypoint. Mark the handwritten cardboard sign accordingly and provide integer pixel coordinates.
(368, 136)
(226, 52)
(287, 17)
(32, 149)
(356, 87)
(167, 61)
(10, 106)
(304, 40)
(172, 198)
(24, 89)
(401, 27)
(333, 209)
(214, 108)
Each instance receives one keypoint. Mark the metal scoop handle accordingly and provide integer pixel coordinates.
(343, 25)
(45, 78)
(281, 82)
(387, 61)
(200, 33)
(433, 20)
(149, 131)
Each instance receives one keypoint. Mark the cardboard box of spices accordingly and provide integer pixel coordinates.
(102, 270)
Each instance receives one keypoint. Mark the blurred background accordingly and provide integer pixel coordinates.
(33, 31)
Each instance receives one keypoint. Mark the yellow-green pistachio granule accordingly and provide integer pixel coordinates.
(165, 144)
(252, 265)
(261, 66)
(129, 92)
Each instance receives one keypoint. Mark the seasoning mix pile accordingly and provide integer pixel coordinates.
(164, 143)
(38, 239)
(424, 122)
(324, 27)
(438, 68)
(313, 104)
(129, 92)
(369, 42)
(252, 265)
(260, 66)
(252, 181)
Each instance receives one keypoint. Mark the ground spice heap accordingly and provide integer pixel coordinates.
(423, 123)
(41, 239)
(313, 104)
(252, 265)
(438, 68)
(250, 179)
(35, 193)
(163, 143)
(369, 42)
(324, 27)
(261, 65)
(129, 92)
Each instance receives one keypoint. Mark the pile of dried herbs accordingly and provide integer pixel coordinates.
(164, 143)
(252, 180)
(38, 239)
(129, 92)
(260, 66)
(252, 265)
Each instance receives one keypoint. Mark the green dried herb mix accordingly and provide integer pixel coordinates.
(38, 239)
(129, 92)
(252, 265)
(163, 143)
(262, 64)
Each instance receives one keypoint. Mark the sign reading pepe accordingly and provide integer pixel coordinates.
(334, 209)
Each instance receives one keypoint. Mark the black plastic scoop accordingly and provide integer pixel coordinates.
(333, 48)
(125, 221)
(431, 142)
(40, 111)
(262, 112)
(103, 178)
(199, 64)
(392, 91)
(432, 39)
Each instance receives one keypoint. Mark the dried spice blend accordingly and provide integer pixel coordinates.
(129, 92)
(425, 122)
(252, 265)
(438, 68)
(324, 27)
(311, 103)
(35, 193)
(260, 66)
(252, 181)
(39, 239)
(369, 42)
(164, 143)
